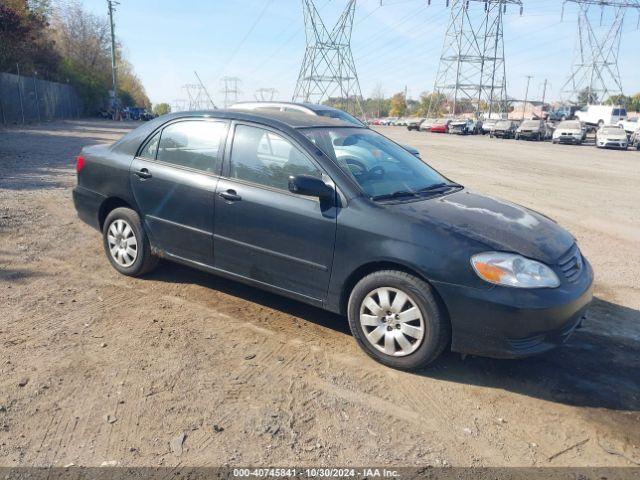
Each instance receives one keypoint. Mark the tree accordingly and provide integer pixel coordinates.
(25, 39)
(432, 104)
(161, 109)
(398, 105)
(587, 97)
(84, 42)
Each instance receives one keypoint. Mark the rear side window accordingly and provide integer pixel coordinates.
(192, 144)
(616, 112)
(151, 148)
(266, 158)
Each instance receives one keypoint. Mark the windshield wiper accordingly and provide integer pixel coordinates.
(398, 194)
(439, 186)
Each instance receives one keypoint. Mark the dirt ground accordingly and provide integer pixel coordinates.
(183, 368)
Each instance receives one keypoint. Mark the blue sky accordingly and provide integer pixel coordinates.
(394, 45)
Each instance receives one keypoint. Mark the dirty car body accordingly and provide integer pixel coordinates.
(315, 249)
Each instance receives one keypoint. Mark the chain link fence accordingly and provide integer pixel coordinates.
(29, 100)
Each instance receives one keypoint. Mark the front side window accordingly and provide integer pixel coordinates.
(382, 168)
(193, 144)
(263, 157)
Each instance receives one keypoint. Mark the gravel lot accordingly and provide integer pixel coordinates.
(183, 368)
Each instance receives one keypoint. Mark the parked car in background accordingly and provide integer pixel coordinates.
(416, 262)
(630, 125)
(570, 131)
(504, 129)
(441, 126)
(414, 124)
(465, 126)
(488, 124)
(388, 121)
(599, 115)
(634, 141)
(533, 130)
(560, 114)
(426, 125)
(612, 137)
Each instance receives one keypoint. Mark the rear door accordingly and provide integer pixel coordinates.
(174, 179)
(264, 232)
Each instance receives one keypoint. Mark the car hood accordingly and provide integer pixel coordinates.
(613, 136)
(498, 224)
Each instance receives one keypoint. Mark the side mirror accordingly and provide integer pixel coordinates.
(309, 186)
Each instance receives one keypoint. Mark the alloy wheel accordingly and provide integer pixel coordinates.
(392, 322)
(123, 245)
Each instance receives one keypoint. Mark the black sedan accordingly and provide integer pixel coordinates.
(504, 129)
(340, 217)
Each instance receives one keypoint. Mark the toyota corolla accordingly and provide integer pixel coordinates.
(342, 218)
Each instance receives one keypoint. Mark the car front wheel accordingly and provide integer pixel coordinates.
(126, 243)
(396, 319)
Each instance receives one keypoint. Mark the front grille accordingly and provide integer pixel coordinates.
(571, 264)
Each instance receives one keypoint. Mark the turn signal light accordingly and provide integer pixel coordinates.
(79, 163)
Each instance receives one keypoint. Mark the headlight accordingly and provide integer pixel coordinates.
(511, 270)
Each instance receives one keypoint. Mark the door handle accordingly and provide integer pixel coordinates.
(230, 196)
(143, 173)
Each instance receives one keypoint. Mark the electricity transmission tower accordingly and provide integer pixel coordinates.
(472, 73)
(595, 69)
(179, 105)
(328, 69)
(197, 97)
(265, 94)
(230, 90)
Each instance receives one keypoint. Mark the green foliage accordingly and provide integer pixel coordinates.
(398, 105)
(161, 109)
(631, 103)
(91, 86)
(74, 48)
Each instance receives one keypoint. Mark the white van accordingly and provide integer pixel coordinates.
(602, 115)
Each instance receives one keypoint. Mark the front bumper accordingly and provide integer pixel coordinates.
(528, 135)
(612, 144)
(568, 139)
(503, 322)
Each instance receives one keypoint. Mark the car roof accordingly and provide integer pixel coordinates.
(311, 106)
(280, 120)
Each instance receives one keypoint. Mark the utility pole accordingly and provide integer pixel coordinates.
(526, 95)
(111, 4)
(211, 104)
(544, 91)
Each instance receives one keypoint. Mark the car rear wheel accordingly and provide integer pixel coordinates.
(126, 243)
(396, 319)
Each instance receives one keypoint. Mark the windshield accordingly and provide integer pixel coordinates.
(613, 131)
(570, 125)
(530, 124)
(381, 167)
(340, 115)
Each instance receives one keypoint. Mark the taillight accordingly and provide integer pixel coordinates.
(79, 163)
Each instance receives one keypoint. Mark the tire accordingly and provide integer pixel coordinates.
(116, 236)
(417, 352)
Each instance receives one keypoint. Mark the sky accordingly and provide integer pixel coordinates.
(394, 45)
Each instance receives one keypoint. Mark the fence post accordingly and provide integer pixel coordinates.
(35, 87)
(20, 93)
